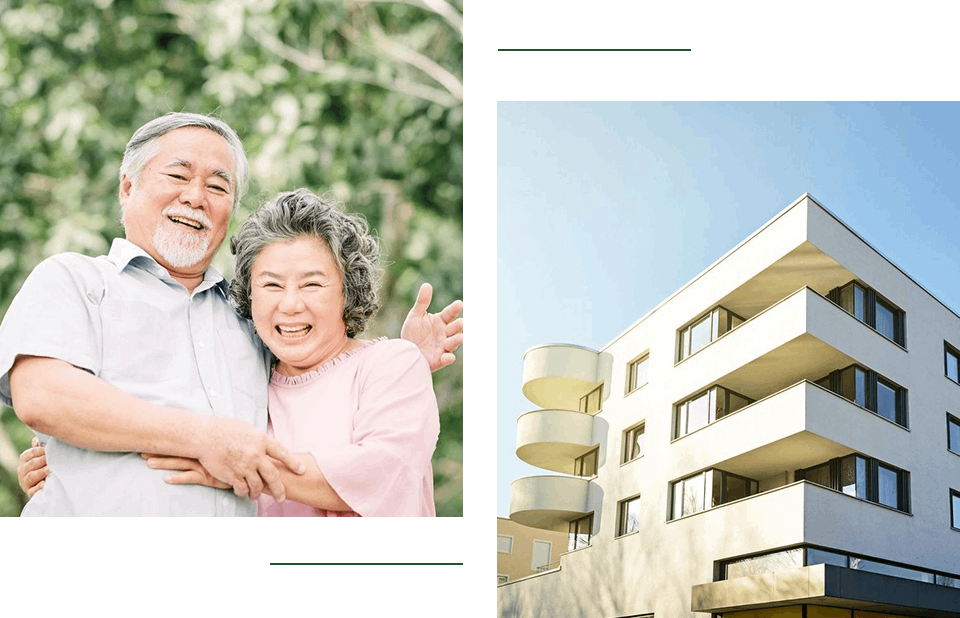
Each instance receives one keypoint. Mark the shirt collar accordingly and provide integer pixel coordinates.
(123, 253)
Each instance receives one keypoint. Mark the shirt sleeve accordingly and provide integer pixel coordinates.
(55, 314)
(386, 472)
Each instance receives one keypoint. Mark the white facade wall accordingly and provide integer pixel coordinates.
(795, 335)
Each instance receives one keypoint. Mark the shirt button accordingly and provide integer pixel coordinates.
(226, 502)
(200, 345)
(213, 392)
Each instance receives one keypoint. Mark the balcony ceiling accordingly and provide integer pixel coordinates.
(800, 267)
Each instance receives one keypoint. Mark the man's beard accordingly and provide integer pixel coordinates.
(180, 249)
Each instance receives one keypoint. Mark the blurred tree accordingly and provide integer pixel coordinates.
(360, 99)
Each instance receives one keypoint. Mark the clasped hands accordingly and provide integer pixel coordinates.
(232, 454)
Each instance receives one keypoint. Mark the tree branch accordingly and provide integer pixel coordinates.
(449, 14)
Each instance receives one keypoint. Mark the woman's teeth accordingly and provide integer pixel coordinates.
(293, 331)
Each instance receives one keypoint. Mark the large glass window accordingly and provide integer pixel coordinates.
(887, 400)
(586, 464)
(698, 411)
(708, 489)
(864, 478)
(592, 402)
(869, 390)
(705, 408)
(853, 476)
(820, 556)
(580, 532)
(888, 482)
(862, 564)
(853, 299)
(886, 316)
(688, 496)
(870, 308)
(706, 329)
(853, 385)
(767, 563)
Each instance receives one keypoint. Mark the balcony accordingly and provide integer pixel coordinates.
(550, 502)
(802, 337)
(553, 439)
(795, 428)
(556, 376)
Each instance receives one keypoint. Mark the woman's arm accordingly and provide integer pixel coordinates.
(310, 488)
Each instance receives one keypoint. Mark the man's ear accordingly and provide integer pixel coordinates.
(126, 187)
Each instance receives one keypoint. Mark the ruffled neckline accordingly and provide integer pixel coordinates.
(281, 380)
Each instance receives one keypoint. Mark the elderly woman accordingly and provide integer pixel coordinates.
(361, 415)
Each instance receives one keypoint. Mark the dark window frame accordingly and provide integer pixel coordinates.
(833, 383)
(584, 404)
(953, 420)
(684, 351)
(954, 514)
(574, 532)
(949, 350)
(871, 299)
(752, 489)
(872, 481)
(712, 417)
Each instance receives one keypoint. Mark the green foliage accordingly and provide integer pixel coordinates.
(359, 99)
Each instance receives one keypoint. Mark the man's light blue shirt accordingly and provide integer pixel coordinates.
(123, 318)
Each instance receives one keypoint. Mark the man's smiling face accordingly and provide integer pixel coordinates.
(179, 210)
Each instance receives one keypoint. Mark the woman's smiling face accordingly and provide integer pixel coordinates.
(297, 303)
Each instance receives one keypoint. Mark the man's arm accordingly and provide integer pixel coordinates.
(58, 399)
(55, 398)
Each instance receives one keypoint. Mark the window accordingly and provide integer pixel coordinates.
(633, 443)
(541, 555)
(955, 508)
(591, 402)
(708, 489)
(864, 478)
(951, 362)
(953, 433)
(688, 496)
(869, 390)
(586, 464)
(628, 517)
(637, 373)
(705, 408)
(580, 532)
(705, 329)
(887, 400)
(888, 486)
(504, 544)
(502, 579)
(872, 309)
(766, 563)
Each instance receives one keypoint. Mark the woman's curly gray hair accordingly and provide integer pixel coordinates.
(301, 213)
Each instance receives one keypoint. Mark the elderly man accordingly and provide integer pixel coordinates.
(140, 351)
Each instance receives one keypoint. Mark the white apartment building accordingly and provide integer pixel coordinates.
(780, 437)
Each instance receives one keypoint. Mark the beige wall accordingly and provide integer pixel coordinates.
(518, 563)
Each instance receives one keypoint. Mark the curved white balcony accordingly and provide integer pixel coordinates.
(558, 375)
(549, 502)
(553, 439)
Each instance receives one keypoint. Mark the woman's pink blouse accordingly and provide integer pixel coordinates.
(369, 417)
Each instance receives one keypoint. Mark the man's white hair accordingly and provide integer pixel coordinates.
(145, 144)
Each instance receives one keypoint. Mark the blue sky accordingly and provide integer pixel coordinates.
(587, 192)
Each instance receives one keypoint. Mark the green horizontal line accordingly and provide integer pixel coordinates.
(593, 50)
(366, 564)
